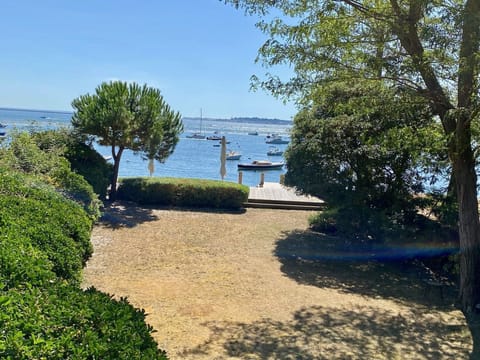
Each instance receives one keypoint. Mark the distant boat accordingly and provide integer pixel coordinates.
(3, 126)
(276, 139)
(198, 135)
(233, 155)
(253, 133)
(260, 165)
(214, 137)
(274, 151)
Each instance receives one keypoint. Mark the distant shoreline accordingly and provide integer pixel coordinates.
(250, 120)
(36, 110)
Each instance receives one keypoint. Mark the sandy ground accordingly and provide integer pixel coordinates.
(259, 285)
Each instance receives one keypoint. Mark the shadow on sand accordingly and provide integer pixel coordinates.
(320, 333)
(120, 214)
(351, 332)
(315, 259)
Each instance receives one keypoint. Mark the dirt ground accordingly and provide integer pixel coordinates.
(259, 285)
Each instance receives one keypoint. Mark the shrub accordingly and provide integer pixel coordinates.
(21, 263)
(183, 192)
(83, 158)
(46, 160)
(63, 322)
(54, 225)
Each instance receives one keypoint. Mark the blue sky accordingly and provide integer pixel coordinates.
(199, 53)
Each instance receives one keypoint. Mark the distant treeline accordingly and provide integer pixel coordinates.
(251, 120)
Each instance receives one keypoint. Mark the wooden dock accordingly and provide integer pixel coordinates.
(277, 196)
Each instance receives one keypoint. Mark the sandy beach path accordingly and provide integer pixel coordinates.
(238, 286)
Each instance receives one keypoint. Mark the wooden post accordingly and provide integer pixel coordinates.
(240, 177)
(262, 179)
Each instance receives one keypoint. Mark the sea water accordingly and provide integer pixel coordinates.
(192, 158)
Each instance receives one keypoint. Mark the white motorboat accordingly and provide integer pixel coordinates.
(274, 151)
(260, 165)
(233, 155)
(276, 139)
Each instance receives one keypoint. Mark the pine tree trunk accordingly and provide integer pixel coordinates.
(469, 225)
(116, 168)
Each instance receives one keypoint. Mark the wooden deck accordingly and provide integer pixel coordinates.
(277, 196)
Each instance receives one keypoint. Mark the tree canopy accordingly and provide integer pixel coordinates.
(128, 116)
(428, 46)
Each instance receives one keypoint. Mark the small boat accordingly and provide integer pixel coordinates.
(214, 137)
(233, 155)
(2, 126)
(274, 151)
(253, 133)
(196, 136)
(276, 139)
(260, 165)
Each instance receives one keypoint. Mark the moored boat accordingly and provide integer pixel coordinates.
(233, 155)
(214, 137)
(274, 151)
(260, 165)
(276, 139)
(196, 136)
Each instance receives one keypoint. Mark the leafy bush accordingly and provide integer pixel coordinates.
(24, 155)
(63, 322)
(57, 227)
(20, 262)
(365, 149)
(183, 192)
(45, 241)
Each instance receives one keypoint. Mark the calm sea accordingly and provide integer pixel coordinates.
(191, 158)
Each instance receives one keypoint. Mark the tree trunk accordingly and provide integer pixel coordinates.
(463, 161)
(116, 167)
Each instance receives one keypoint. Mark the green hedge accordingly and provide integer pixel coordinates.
(63, 322)
(183, 192)
(44, 242)
(57, 227)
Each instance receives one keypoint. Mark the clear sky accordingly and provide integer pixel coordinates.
(199, 53)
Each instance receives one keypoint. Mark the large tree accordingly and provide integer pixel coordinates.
(367, 150)
(429, 46)
(128, 116)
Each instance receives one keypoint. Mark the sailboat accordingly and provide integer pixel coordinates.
(198, 135)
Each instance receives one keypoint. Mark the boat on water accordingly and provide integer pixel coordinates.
(233, 155)
(214, 137)
(260, 165)
(276, 139)
(274, 151)
(198, 135)
(253, 133)
(2, 126)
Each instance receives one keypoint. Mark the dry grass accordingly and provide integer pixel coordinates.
(234, 286)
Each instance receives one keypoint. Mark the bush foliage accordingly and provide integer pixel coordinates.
(32, 154)
(63, 322)
(83, 158)
(45, 242)
(183, 192)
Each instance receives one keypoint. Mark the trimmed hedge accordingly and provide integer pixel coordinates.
(57, 227)
(44, 242)
(183, 192)
(63, 322)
